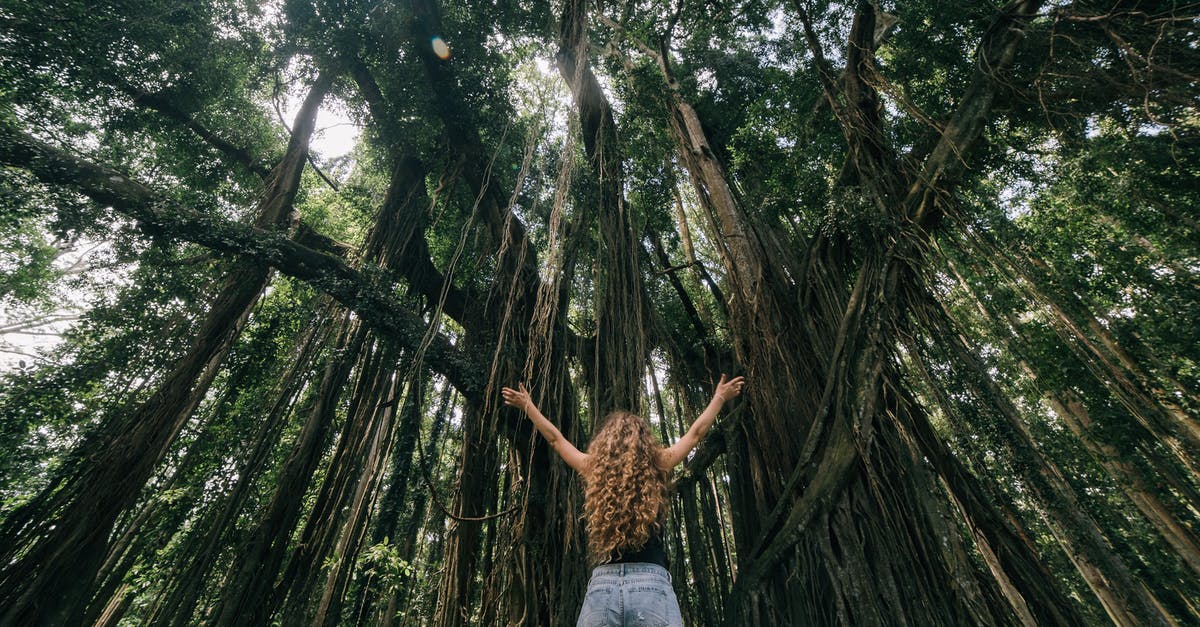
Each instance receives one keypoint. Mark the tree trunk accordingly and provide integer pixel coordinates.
(353, 530)
(53, 579)
(246, 590)
(1071, 410)
(1165, 420)
(474, 492)
(1005, 546)
(391, 504)
(1082, 539)
(176, 605)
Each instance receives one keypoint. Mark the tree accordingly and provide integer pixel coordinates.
(948, 246)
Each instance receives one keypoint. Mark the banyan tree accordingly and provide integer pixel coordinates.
(952, 246)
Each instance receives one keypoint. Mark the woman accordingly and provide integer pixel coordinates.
(625, 502)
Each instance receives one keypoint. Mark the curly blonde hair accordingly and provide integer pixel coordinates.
(625, 493)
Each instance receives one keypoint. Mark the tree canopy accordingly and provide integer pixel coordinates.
(953, 247)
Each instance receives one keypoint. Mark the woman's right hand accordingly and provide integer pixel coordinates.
(517, 398)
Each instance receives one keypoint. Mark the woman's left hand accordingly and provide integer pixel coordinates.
(729, 389)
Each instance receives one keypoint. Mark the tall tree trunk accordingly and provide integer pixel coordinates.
(1005, 547)
(1102, 569)
(391, 504)
(1117, 463)
(502, 320)
(52, 580)
(1120, 375)
(355, 527)
(246, 590)
(424, 515)
(139, 540)
(474, 492)
(620, 352)
(176, 604)
(342, 500)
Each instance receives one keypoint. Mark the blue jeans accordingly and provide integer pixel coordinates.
(625, 595)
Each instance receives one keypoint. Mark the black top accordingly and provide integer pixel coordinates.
(651, 553)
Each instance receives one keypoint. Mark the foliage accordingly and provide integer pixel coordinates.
(961, 276)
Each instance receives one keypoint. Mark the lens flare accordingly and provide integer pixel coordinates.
(440, 48)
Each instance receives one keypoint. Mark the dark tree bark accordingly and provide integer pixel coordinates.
(474, 492)
(390, 511)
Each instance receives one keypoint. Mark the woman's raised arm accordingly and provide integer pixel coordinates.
(677, 452)
(521, 400)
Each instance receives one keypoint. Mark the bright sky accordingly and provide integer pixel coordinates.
(24, 333)
(336, 134)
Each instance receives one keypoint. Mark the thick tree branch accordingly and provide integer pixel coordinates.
(311, 162)
(368, 293)
(403, 215)
(305, 234)
(168, 108)
(829, 81)
(407, 188)
(868, 149)
(947, 160)
(855, 104)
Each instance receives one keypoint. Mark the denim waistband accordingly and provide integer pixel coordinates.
(630, 568)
